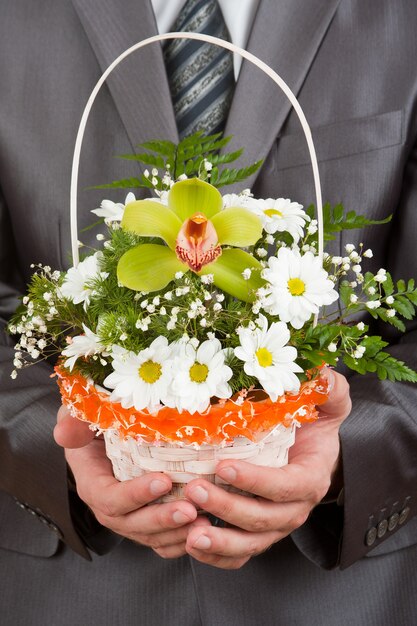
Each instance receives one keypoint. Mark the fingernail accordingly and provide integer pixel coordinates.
(199, 494)
(202, 543)
(227, 473)
(157, 487)
(180, 518)
(329, 376)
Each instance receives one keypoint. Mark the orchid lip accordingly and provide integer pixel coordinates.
(197, 242)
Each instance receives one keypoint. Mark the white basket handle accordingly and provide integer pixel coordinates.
(223, 44)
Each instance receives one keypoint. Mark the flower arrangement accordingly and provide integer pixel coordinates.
(194, 305)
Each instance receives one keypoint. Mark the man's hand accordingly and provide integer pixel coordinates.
(122, 506)
(284, 496)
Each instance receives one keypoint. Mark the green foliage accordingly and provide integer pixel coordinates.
(336, 219)
(187, 158)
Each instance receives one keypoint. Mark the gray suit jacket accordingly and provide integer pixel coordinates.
(353, 65)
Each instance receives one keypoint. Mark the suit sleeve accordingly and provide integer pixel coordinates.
(32, 467)
(379, 438)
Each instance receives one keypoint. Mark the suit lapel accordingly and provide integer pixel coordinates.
(138, 85)
(286, 35)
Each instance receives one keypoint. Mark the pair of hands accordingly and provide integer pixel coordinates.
(283, 502)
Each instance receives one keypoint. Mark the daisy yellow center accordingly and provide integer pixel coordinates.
(264, 357)
(198, 372)
(150, 371)
(296, 286)
(272, 213)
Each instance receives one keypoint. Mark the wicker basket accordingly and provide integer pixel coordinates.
(130, 458)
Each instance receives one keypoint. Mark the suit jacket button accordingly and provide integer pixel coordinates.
(370, 536)
(382, 528)
(404, 514)
(393, 521)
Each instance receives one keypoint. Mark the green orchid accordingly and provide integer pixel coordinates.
(194, 227)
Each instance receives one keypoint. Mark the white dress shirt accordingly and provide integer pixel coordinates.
(238, 15)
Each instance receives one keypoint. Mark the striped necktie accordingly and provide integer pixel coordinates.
(200, 75)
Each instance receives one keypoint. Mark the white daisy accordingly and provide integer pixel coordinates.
(83, 346)
(199, 373)
(280, 215)
(268, 358)
(113, 211)
(298, 286)
(76, 285)
(141, 380)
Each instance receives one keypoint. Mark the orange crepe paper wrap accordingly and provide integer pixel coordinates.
(242, 417)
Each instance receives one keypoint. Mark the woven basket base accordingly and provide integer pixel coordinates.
(131, 458)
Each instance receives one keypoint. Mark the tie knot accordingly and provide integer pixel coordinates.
(200, 74)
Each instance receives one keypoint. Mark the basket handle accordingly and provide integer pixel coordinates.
(223, 44)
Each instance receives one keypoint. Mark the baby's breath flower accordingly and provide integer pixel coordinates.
(349, 247)
(381, 276)
(371, 291)
(373, 304)
(391, 313)
(332, 347)
(178, 276)
(207, 279)
(368, 253)
(389, 300)
(353, 298)
(246, 273)
(360, 326)
(13, 375)
(261, 252)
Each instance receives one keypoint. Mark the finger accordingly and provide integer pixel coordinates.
(152, 520)
(251, 514)
(98, 487)
(70, 432)
(169, 538)
(177, 550)
(110, 499)
(339, 403)
(290, 483)
(228, 548)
